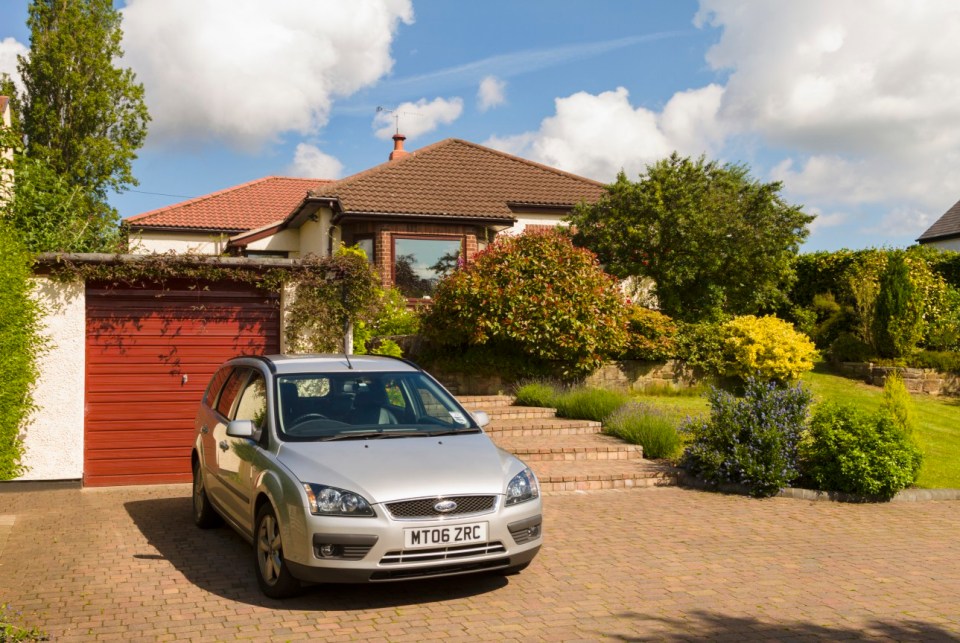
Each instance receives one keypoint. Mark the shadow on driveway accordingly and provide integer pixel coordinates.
(221, 562)
(704, 625)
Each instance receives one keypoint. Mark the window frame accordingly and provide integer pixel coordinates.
(461, 238)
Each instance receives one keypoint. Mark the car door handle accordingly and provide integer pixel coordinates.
(223, 445)
(204, 430)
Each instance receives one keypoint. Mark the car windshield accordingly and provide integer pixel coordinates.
(342, 406)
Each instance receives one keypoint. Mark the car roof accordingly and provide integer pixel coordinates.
(338, 364)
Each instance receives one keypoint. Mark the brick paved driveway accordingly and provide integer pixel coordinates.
(667, 563)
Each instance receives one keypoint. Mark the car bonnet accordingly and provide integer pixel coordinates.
(384, 470)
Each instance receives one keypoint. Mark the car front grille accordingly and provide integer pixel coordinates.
(422, 508)
(441, 553)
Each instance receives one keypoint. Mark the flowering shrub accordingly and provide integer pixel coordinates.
(766, 347)
(752, 441)
(535, 297)
(651, 335)
(852, 451)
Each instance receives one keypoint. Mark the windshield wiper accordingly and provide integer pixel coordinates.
(375, 435)
(455, 431)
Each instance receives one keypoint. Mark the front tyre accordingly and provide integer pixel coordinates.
(273, 574)
(204, 515)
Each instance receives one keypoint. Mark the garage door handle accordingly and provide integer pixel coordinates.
(223, 445)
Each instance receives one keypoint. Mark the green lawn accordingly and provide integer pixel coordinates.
(938, 420)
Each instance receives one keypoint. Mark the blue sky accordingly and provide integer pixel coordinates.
(853, 105)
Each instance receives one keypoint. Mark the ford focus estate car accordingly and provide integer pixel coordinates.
(357, 470)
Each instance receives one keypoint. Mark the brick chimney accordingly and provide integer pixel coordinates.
(398, 151)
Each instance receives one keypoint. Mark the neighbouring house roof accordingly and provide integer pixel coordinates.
(457, 179)
(946, 227)
(243, 207)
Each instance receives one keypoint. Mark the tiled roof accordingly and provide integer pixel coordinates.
(243, 207)
(455, 178)
(946, 226)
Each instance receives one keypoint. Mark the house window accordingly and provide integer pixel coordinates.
(419, 263)
(365, 244)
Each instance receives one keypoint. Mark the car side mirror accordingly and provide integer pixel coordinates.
(242, 429)
(481, 418)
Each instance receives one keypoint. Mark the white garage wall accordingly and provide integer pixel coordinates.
(54, 438)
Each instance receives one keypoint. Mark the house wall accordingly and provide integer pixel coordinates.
(945, 244)
(54, 438)
(148, 241)
(284, 241)
(6, 175)
(525, 219)
(315, 235)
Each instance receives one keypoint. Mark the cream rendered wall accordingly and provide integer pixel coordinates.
(284, 241)
(947, 244)
(529, 218)
(6, 174)
(53, 445)
(315, 235)
(146, 242)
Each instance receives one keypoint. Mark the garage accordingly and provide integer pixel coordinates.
(150, 351)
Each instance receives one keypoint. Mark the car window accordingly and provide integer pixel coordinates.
(253, 401)
(216, 383)
(230, 391)
(326, 406)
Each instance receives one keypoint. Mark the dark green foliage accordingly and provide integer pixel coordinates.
(898, 324)
(533, 299)
(702, 346)
(714, 240)
(751, 440)
(943, 361)
(849, 348)
(652, 336)
(20, 345)
(647, 426)
(851, 451)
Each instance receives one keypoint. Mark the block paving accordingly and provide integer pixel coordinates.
(618, 564)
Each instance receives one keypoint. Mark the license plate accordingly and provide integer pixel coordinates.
(446, 536)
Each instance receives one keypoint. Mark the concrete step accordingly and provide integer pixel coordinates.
(569, 448)
(540, 426)
(587, 475)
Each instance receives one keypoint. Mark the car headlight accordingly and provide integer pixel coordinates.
(330, 501)
(522, 487)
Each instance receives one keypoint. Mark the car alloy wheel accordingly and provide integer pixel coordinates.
(274, 577)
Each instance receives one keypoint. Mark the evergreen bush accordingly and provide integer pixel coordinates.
(852, 451)
(898, 323)
(766, 347)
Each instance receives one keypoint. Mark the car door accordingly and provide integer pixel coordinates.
(216, 437)
(236, 456)
(207, 419)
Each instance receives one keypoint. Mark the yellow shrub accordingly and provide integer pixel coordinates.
(766, 346)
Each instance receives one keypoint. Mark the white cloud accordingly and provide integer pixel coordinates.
(597, 135)
(312, 163)
(491, 93)
(245, 71)
(418, 118)
(10, 48)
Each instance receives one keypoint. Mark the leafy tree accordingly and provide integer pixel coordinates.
(715, 241)
(82, 120)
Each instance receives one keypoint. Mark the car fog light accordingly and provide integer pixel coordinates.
(326, 551)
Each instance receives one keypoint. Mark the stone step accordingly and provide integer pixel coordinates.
(541, 426)
(569, 448)
(586, 475)
(484, 402)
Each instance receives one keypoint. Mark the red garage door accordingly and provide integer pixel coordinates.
(150, 353)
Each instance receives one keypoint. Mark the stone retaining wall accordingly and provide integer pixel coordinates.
(917, 380)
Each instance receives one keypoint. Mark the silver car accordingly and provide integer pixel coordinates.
(357, 470)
